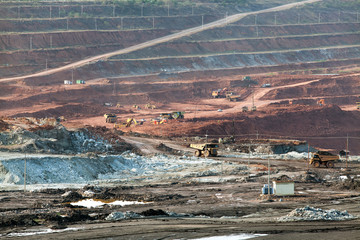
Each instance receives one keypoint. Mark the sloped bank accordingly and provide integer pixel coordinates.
(55, 140)
(149, 66)
(60, 169)
(46, 135)
(46, 169)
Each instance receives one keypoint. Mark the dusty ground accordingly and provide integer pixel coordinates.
(225, 204)
(303, 59)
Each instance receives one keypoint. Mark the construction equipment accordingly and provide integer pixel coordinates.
(61, 119)
(324, 158)
(158, 121)
(253, 108)
(247, 81)
(321, 102)
(357, 105)
(120, 125)
(110, 117)
(232, 97)
(205, 149)
(245, 109)
(128, 123)
(177, 115)
(118, 105)
(150, 106)
(137, 107)
(172, 115)
(166, 116)
(219, 93)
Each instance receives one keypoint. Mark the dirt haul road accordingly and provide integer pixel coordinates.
(187, 32)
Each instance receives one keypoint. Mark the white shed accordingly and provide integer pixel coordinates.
(68, 82)
(282, 188)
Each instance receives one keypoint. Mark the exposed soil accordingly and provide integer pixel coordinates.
(231, 207)
(295, 58)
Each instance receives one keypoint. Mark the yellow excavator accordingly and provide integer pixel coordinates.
(128, 123)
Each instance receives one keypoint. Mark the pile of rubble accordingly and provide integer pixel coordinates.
(315, 214)
(56, 139)
(80, 169)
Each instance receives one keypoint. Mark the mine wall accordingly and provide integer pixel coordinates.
(69, 39)
(241, 31)
(298, 68)
(123, 68)
(91, 9)
(323, 88)
(244, 46)
(308, 123)
(123, 23)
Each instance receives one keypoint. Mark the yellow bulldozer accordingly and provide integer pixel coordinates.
(205, 149)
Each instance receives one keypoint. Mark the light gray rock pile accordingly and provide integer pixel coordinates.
(315, 214)
(115, 216)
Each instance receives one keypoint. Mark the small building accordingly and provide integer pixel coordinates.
(80, 82)
(68, 82)
(282, 188)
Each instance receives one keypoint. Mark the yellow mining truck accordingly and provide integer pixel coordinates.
(232, 97)
(110, 118)
(205, 149)
(324, 158)
(150, 106)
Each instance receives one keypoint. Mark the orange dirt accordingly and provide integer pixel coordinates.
(303, 119)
